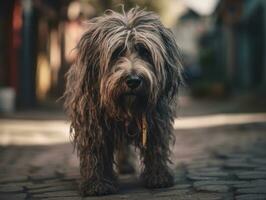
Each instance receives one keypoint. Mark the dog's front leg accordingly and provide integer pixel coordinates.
(96, 168)
(156, 172)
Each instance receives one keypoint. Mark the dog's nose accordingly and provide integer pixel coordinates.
(133, 81)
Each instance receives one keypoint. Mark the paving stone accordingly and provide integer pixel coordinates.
(17, 184)
(170, 193)
(262, 168)
(239, 164)
(208, 169)
(134, 191)
(50, 185)
(70, 177)
(43, 177)
(253, 183)
(213, 188)
(125, 196)
(197, 166)
(202, 178)
(239, 156)
(175, 187)
(222, 153)
(180, 180)
(206, 163)
(202, 196)
(38, 186)
(57, 194)
(71, 198)
(20, 196)
(180, 174)
(51, 189)
(251, 197)
(257, 190)
(71, 172)
(251, 175)
(261, 161)
(218, 182)
(14, 179)
(209, 174)
(11, 188)
(181, 186)
(137, 196)
(57, 181)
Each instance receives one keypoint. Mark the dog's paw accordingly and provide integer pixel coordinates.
(97, 188)
(163, 178)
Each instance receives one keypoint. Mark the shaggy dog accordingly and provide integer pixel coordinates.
(121, 90)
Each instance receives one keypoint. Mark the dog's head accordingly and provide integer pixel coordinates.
(128, 62)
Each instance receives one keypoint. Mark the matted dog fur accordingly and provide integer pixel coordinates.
(121, 90)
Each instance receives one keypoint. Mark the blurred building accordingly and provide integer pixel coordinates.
(37, 39)
(224, 46)
(243, 35)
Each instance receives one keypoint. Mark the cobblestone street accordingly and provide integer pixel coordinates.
(210, 163)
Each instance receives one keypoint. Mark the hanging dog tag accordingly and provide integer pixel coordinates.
(144, 131)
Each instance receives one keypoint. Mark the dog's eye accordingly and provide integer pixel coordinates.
(143, 52)
(119, 52)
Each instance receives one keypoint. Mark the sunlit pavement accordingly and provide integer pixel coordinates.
(216, 155)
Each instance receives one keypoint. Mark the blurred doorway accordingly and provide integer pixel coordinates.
(255, 27)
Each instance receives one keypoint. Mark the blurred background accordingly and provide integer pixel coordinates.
(222, 44)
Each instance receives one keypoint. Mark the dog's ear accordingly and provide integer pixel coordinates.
(173, 65)
(81, 81)
(88, 55)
